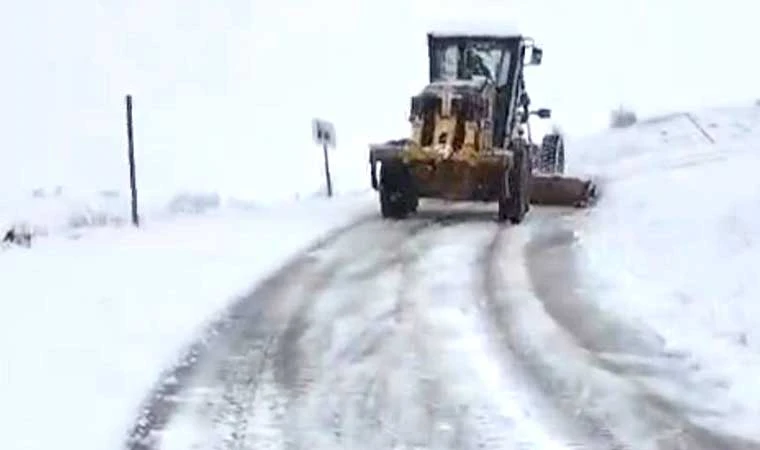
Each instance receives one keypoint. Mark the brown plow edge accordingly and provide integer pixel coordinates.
(559, 190)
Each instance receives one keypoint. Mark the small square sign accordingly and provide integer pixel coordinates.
(323, 132)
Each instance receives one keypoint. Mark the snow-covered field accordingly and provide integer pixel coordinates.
(675, 242)
(88, 324)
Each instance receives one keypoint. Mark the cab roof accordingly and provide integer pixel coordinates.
(476, 29)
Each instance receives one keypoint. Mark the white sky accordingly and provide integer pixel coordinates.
(225, 90)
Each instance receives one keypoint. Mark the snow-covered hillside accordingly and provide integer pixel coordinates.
(675, 241)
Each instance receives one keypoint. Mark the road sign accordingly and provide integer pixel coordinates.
(323, 133)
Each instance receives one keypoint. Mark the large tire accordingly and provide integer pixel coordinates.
(514, 198)
(552, 154)
(398, 196)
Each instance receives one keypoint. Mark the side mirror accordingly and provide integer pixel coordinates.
(543, 113)
(536, 55)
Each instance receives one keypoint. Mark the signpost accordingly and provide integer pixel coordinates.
(323, 133)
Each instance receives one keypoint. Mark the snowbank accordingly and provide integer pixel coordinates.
(675, 242)
(61, 211)
(86, 326)
(55, 211)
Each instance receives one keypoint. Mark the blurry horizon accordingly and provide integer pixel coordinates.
(224, 92)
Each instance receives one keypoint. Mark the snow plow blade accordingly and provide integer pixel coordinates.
(557, 190)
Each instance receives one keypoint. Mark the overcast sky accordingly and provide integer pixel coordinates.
(225, 90)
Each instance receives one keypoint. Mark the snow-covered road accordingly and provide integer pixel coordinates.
(629, 325)
(442, 331)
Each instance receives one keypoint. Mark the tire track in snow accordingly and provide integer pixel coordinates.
(212, 357)
(508, 296)
(292, 373)
(218, 400)
(189, 384)
(413, 382)
(310, 335)
(615, 410)
(456, 333)
(374, 339)
(384, 396)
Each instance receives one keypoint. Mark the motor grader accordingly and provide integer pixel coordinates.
(470, 135)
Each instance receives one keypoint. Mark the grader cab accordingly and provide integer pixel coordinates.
(470, 136)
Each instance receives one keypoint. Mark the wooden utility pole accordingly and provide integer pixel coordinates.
(131, 154)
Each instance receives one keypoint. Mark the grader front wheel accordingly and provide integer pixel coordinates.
(514, 198)
(398, 197)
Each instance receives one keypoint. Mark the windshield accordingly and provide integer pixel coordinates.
(448, 62)
(484, 61)
(479, 60)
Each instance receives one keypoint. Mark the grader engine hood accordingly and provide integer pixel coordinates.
(449, 119)
(448, 153)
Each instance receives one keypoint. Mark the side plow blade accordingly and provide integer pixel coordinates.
(557, 190)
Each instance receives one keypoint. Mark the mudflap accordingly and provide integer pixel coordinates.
(558, 190)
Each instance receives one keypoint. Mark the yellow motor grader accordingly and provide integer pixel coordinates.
(470, 135)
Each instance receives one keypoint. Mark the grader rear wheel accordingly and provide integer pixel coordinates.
(551, 157)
